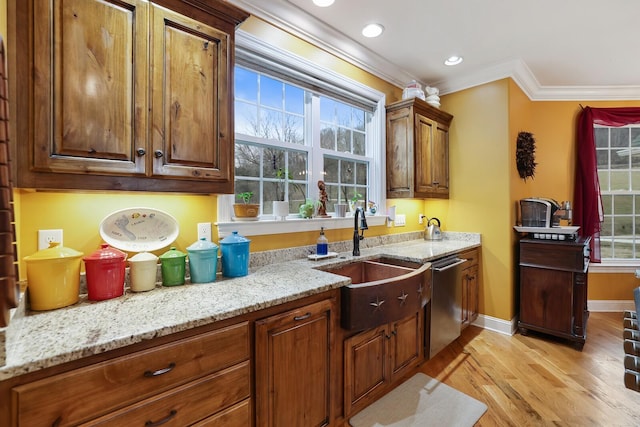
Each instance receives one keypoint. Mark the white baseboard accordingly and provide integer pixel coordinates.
(507, 327)
(611, 305)
(497, 325)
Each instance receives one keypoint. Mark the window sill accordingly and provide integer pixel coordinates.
(291, 225)
(615, 267)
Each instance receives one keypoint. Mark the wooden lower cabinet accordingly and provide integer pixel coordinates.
(553, 288)
(470, 285)
(377, 359)
(293, 366)
(176, 384)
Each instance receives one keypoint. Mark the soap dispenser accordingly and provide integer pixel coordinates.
(322, 245)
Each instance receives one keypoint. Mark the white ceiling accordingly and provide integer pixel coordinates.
(554, 49)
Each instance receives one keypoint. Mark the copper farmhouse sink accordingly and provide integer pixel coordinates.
(382, 290)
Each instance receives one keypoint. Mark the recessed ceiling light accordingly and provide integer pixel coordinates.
(372, 30)
(323, 3)
(453, 60)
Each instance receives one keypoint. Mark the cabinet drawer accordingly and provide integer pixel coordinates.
(79, 395)
(472, 256)
(566, 256)
(186, 404)
(239, 415)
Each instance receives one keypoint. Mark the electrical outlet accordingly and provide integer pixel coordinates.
(401, 220)
(47, 236)
(204, 230)
(420, 218)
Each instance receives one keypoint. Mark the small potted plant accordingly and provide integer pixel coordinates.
(246, 209)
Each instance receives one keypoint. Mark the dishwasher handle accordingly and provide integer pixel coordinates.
(448, 266)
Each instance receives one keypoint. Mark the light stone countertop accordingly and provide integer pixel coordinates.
(37, 340)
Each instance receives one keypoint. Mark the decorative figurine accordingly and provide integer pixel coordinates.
(322, 206)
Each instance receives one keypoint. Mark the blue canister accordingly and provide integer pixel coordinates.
(203, 261)
(235, 255)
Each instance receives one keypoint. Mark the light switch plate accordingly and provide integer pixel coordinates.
(47, 236)
(401, 220)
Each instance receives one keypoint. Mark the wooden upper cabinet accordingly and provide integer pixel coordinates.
(191, 125)
(125, 94)
(417, 150)
(90, 100)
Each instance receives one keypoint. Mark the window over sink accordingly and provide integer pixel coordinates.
(296, 124)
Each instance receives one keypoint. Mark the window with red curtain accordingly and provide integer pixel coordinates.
(588, 211)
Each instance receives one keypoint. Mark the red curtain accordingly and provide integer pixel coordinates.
(587, 205)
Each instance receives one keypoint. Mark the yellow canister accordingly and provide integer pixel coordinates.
(53, 277)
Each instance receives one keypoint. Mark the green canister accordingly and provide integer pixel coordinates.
(172, 265)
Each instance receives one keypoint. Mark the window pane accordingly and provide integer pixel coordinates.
(343, 114)
(246, 118)
(619, 180)
(347, 172)
(330, 170)
(344, 140)
(327, 109)
(271, 92)
(328, 137)
(619, 137)
(294, 129)
(358, 119)
(246, 85)
(247, 162)
(620, 159)
(361, 173)
(273, 160)
(607, 203)
(622, 205)
(294, 99)
(359, 146)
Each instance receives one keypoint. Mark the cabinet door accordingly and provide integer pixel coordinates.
(90, 101)
(366, 371)
(400, 153)
(192, 122)
(407, 344)
(546, 298)
(431, 158)
(293, 367)
(469, 295)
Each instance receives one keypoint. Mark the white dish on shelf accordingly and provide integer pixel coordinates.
(315, 257)
(568, 229)
(139, 229)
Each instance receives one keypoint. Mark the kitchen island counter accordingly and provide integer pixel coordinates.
(38, 340)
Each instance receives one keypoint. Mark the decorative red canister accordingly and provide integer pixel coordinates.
(105, 273)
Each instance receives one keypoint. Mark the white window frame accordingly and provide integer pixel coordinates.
(377, 168)
(617, 265)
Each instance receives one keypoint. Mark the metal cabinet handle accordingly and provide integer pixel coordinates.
(162, 421)
(141, 152)
(403, 298)
(158, 154)
(376, 304)
(151, 374)
(304, 316)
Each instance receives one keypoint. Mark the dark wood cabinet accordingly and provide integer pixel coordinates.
(293, 366)
(417, 150)
(377, 359)
(553, 288)
(124, 95)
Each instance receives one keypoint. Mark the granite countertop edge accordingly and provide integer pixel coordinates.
(38, 340)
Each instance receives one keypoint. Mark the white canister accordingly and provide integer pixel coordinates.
(143, 270)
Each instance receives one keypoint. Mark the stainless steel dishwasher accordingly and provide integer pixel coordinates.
(446, 302)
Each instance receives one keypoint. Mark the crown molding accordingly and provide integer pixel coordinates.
(296, 21)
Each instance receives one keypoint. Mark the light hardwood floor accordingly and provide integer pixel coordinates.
(537, 380)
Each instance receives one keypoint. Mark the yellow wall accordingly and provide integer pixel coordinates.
(479, 196)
